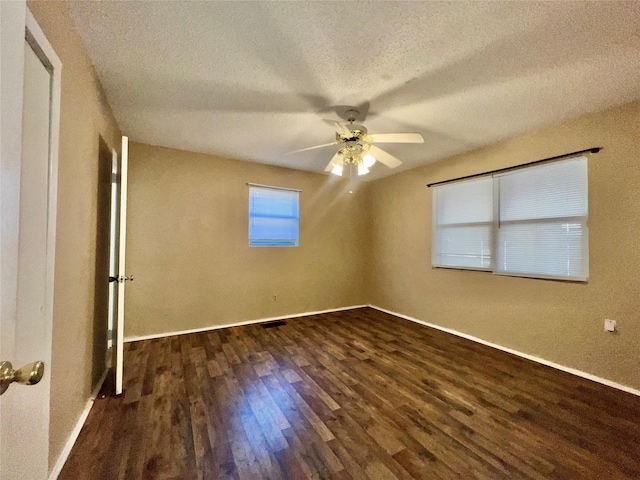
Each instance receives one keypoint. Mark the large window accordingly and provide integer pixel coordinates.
(529, 222)
(274, 217)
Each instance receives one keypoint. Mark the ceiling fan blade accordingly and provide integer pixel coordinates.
(333, 162)
(342, 129)
(384, 157)
(314, 147)
(395, 138)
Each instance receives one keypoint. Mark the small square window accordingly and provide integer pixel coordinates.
(274, 217)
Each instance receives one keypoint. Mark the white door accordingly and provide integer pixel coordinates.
(29, 112)
(117, 245)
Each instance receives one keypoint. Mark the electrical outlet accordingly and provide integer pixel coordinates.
(609, 325)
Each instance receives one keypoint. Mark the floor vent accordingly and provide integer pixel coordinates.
(277, 323)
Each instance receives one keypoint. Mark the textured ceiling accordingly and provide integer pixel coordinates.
(254, 80)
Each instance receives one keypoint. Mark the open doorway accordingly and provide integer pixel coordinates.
(101, 360)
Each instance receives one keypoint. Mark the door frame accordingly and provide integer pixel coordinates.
(113, 266)
(19, 25)
(122, 246)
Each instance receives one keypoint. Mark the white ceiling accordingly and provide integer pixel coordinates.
(254, 80)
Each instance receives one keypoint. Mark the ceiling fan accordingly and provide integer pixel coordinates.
(357, 147)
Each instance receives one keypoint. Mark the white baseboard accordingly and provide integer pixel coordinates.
(135, 338)
(557, 366)
(64, 455)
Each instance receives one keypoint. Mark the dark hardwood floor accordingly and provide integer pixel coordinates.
(354, 394)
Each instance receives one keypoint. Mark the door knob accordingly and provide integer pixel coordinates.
(28, 375)
(120, 279)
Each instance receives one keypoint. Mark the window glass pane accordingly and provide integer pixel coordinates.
(549, 191)
(268, 202)
(275, 230)
(273, 216)
(546, 248)
(543, 215)
(465, 202)
(463, 219)
(463, 246)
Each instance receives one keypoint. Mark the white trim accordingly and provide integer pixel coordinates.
(259, 185)
(136, 338)
(548, 363)
(544, 277)
(122, 244)
(44, 49)
(73, 436)
(54, 140)
(113, 268)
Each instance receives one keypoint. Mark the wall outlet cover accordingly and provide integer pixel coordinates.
(609, 325)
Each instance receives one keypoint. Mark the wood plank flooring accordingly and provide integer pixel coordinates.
(357, 394)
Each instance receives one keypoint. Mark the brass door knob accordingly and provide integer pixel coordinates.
(28, 375)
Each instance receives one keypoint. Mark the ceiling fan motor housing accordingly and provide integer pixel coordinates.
(358, 132)
(351, 115)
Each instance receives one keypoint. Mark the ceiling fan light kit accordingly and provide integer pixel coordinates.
(368, 160)
(357, 148)
(337, 170)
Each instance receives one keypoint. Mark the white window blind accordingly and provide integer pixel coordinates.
(463, 223)
(543, 221)
(530, 222)
(274, 217)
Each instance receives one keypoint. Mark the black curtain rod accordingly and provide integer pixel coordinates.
(515, 167)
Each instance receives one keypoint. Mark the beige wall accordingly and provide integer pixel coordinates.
(85, 116)
(558, 321)
(188, 250)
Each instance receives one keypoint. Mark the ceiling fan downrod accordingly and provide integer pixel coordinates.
(352, 115)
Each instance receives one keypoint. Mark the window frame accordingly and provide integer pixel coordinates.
(271, 242)
(493, 269)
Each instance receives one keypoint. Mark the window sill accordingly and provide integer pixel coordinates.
(518, 275)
